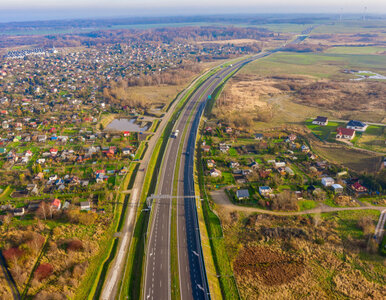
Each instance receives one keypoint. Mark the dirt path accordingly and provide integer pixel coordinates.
(222, 200)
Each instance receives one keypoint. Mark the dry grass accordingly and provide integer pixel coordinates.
(156, 96)
(320, 257)
(5, 291)
(234, 41)
(356, 160)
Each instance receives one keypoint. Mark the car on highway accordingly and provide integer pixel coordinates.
(175, 133)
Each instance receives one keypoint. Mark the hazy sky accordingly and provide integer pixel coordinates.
(15, 10)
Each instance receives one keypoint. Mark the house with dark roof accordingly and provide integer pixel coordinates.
(357, 125)
(345, 133)
(242, 194)
(323, 121)
(259, 136)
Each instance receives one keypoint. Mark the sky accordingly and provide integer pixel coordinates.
(26, 10)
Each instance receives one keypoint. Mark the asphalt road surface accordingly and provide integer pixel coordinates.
(192, 274)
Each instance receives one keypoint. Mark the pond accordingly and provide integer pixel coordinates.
(367, 75)
(126, 125)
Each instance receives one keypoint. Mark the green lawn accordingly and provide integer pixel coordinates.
(372, 139)
(306, 204)
(324, 132)
(348, 221)
(228, 178)
(233, 152)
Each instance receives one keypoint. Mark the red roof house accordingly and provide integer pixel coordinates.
(56, 204)
(345, 133)
(357, 187)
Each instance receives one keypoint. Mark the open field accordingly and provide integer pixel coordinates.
(351, 26)
(309, 257)
(356, 50)
(316, 65)
(354, 159)
(235, 42)
(374, 138)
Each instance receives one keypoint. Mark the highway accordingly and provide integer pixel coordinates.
(115, 272)
(192, 274)
(191, 269)
(157, 276)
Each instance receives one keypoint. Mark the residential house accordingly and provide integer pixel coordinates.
(56, 204)
(42, 138)
(254, 165)
(209, 129)
(345, 133)
(292, 137)
(358, 188)
(210, 163)
(279, 164)
(357, 125)
(223, 147)
(234, 164)
(41, 161)
(323, 121)
(281, 171)
(337, 188)
(215, 172)
(259, 136)
(240, 178)
(18, 212)
(327, 181)
(305, 149)
(126, 151)
(32, 188)
(85, 205)
(242, 194)
(206, 148)
(265, 191)
(289, 171)
(39, 176)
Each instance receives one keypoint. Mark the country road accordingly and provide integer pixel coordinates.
(379, 230)
(221, 199)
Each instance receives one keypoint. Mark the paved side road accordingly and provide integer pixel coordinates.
(379, 230)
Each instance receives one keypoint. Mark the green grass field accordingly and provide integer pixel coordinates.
(317, 65)
(324, 132)
(372, 139)
(306, 204)
(350, 26)
(348, 221)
